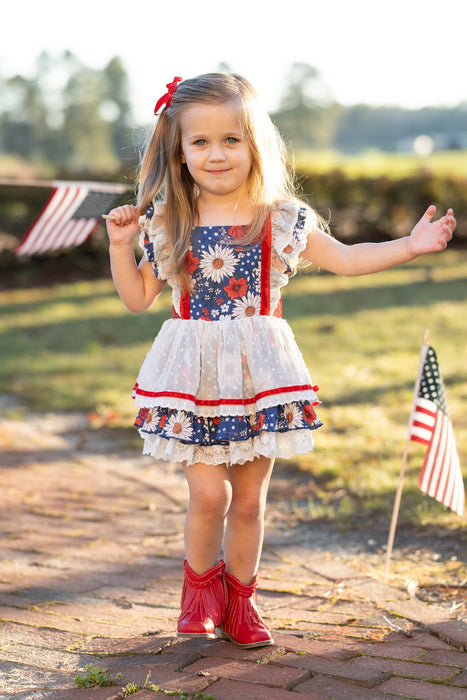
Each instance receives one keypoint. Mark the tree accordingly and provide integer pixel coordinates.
(68, 114)
(307, 117)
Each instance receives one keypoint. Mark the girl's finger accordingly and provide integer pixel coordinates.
(430, 212)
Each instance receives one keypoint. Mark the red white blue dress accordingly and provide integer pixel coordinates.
(224, 381)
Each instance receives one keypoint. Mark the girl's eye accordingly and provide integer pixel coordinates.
(200, 142)
(232, 139)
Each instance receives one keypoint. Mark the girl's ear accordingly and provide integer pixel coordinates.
(183, 158)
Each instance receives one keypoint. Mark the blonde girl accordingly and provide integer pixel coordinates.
(224, 389)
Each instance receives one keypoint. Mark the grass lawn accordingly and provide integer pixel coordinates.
(76, 348)
(374, 163)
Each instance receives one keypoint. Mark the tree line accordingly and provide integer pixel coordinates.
(76, 119)
(68, 115)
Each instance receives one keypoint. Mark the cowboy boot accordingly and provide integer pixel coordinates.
(243, 624)
(203, 602)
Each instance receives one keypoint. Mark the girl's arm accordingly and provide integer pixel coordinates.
(136, 285)
(365, 258)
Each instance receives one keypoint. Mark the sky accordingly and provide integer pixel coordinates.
(409, 53)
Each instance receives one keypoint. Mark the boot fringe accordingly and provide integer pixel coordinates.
(244, 625)
(204, 597)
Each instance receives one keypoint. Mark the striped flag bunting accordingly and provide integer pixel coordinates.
(70, 216)
(441, 475)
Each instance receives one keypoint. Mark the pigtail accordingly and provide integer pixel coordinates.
(154, 165)
(162, 175)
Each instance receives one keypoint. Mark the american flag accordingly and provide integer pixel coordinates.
(70, 216)
(441, 475)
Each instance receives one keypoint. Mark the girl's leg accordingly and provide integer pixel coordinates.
(203, 600)
(243, 543)
(210, 497)
(243, 539)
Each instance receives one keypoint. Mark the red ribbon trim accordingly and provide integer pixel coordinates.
(224, 402)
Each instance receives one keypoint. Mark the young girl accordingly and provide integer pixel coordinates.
(224, 389)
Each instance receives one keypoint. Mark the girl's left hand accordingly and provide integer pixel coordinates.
(431, 236)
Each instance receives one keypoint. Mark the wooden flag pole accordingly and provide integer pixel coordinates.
(397, 500)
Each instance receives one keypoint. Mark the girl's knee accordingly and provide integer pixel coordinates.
(211, 502)
(210, 491)
(247, 508)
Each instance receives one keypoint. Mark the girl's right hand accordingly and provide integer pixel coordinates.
(123, 226)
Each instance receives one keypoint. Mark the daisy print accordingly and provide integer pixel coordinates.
(179, 426)
(249, 305)
(292, 414)
(217, 262)
(152, 420)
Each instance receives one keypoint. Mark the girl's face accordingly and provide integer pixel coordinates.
(215, 149)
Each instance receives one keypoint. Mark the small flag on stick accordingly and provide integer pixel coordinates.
(429, 424)
(441, 475)
(70, 216)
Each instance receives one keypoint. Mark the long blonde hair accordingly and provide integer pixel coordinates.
(163, 175)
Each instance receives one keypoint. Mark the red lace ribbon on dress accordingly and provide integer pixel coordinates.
(266, 271)
(167, 98)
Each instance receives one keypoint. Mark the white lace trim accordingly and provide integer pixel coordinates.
(266, 444)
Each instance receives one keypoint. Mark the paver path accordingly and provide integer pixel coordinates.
(91, 573)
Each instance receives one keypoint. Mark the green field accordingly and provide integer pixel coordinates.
(76, 348)
(382, 164)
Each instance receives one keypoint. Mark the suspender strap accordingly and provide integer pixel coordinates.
(266, 271)
(185, 311)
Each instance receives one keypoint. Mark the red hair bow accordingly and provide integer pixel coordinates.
(167, 98)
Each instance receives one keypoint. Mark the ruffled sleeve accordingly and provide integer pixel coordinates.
(153, 240)
(291, 223)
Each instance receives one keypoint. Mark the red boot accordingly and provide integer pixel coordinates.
(203, 602)
(243, 624)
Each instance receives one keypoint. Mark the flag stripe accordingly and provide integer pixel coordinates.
(84, 232)
(52, 223)
(46, 226)
(59, 232)
(27, 244)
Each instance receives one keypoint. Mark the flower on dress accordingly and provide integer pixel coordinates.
(217, 262)
(249, 305)
(179, 426)
(205, 314)
(141, 417)
(260, 422)
(236, 232)
(292, 414)
(236, 288)
(309, 414)
(152, 420)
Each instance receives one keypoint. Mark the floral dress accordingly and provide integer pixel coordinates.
(224, 381)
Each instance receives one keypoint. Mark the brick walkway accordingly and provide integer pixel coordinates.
(91, 575)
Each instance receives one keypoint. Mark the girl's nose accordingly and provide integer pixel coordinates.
(216, 153)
